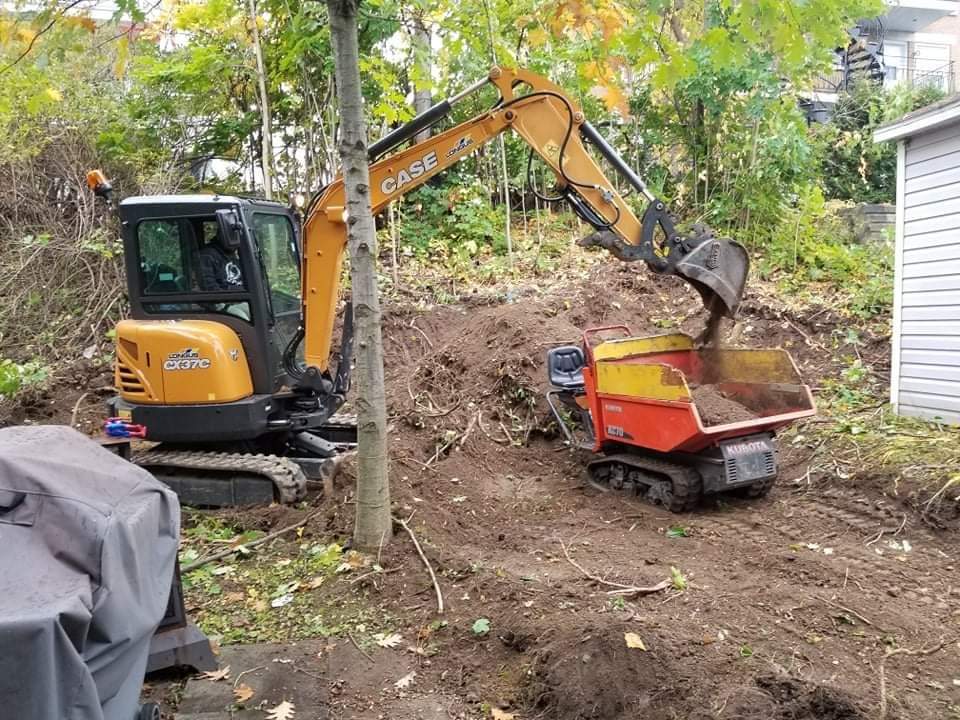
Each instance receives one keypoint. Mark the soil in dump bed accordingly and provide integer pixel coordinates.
(716, 409)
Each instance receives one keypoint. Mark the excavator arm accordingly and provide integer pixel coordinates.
(555, 128)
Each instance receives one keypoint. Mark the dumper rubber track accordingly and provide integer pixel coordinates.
(287, 479)
(677, 487)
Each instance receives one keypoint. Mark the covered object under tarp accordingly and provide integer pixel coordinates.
(88, 544)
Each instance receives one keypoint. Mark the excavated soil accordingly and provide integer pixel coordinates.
(595, 675)
(716, 408)
(790, 602)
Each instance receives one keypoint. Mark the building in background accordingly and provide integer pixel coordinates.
(925, 358)
(916, 42)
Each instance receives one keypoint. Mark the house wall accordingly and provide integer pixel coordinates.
(925, 377)
(921, 50)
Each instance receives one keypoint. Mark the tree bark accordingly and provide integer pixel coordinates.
(266, 129)
(373, 524)
(422, 97)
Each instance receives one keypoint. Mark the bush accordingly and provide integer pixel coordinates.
(812, 244)
(854, 167)
(14, 377)
(452, 219)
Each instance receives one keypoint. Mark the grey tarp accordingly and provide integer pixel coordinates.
(87, 549)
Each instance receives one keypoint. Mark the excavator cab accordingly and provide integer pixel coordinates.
(214, 286)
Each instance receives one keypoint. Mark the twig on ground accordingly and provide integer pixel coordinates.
(441, 413)
(838, 606)
(506, 432)
(463, 438)
(433, 576)
(631, 592)
(360, 649)
(414, 327)
(236, 682)
(621, 588)
(901, 651)
(884, 531)
(76, 409)
(489, 436)
(252, 544)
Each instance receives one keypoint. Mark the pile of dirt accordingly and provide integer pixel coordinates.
(785, 698)
(74, 394)
(716, 408)
(591, 673)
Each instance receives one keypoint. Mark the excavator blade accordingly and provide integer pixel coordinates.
(718, 270)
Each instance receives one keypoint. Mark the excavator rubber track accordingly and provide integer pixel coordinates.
(238, 478)
(677, 487)
(219, 479)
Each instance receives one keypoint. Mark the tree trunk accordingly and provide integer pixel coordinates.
(373, 523)
(422, 98)
(266, 130)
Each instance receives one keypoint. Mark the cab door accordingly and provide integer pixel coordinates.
(276, 243)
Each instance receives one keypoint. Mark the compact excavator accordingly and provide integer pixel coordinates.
(226, 359)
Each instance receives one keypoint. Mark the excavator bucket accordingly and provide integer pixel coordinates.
(718, 270)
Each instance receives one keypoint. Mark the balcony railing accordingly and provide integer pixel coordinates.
(943, 78)
(831, 82)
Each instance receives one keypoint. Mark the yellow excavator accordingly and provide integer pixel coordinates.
(226, 361)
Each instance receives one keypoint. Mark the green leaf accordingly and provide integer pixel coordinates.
(481, 626)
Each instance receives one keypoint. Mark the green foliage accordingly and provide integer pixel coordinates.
(452, 220)
(812, 244)
(481, 626)
(14, 377)
(852, 166)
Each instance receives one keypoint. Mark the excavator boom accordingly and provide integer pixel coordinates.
(555, 128)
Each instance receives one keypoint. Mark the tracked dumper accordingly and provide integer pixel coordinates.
(671, 422)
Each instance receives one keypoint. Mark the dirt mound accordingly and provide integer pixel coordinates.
(76, 393)
(717, 409)
(593, 674)
(784, 698)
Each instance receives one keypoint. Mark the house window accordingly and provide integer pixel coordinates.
(894, 62)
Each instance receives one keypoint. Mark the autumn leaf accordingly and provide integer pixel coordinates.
(406, 680)
(612, 97)
(284, 711)
(242, 693)
(634, 641)
(216, 675)
(389, 641)
(538, 37)
(498, 714)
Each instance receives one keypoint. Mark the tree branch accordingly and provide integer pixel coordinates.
(46, 28)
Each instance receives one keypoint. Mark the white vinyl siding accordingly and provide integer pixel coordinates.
(925, 381)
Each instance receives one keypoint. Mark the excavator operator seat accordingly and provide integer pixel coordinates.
(565, 367)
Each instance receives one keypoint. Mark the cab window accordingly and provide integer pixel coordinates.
(180, 255)
(163, 262)
(277, 244)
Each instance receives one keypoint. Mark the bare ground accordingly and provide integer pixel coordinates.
(792, 604)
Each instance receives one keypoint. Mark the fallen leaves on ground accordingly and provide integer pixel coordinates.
(215, 675)
(389, 641)
(498, 714)
(405, 681)
(634, 641)
(481, 626)
(242, 692)
(284, 711)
